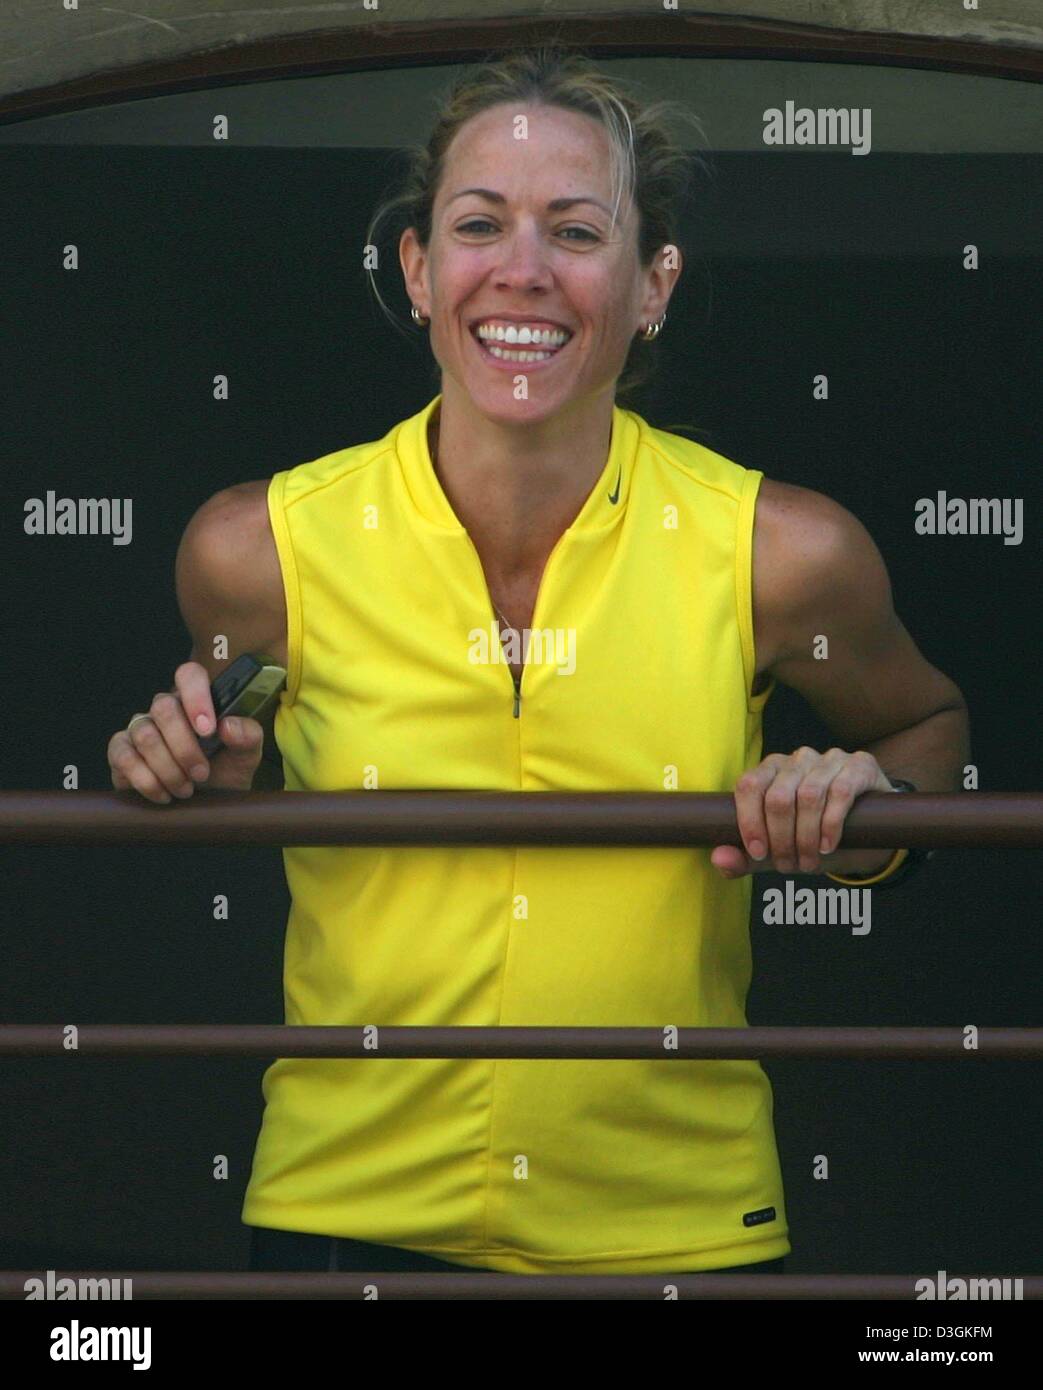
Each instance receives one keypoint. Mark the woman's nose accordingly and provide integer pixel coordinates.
(524, 254)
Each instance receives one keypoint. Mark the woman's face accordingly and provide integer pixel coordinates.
(508, 256)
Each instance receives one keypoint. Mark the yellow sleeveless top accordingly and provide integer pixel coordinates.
(641, 682)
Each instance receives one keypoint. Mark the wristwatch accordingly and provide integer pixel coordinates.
(914, 858)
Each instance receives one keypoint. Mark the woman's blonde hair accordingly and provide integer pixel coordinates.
(648, 166)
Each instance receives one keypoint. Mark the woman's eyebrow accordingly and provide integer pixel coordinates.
(555, 204)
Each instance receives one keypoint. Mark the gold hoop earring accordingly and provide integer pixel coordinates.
(418, 318)
(653, 330)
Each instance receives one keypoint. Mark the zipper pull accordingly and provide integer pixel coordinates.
(517, 696)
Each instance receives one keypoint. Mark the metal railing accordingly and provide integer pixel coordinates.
(486, 1285)
(209, 817)
(667, 1043)
(1009, 820)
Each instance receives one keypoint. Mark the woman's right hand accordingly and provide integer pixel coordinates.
(161, 757)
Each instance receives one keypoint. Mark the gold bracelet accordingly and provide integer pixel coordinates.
(892, 866)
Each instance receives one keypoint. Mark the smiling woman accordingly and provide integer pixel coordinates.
(666, 589)
(541, 246)
(188, 307)
(612, 169)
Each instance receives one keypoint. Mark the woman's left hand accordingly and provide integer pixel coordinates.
(791, 810)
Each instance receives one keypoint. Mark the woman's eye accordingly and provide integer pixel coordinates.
(482, 222)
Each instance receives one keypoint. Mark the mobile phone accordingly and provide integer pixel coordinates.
(249, 687)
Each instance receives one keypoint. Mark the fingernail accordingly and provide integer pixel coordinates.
(235, 728)
(824, 847)
(203, 723)
(756, 849)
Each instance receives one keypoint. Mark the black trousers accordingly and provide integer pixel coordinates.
(296, 1250)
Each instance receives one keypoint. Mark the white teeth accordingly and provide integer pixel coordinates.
(517, 356)
(547, 337)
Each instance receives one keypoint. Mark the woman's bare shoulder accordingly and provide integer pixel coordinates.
(796, 524)
(808, 551)
(787, 504)
(228, 575)
(793, 528)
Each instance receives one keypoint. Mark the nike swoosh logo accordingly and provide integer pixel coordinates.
(614, 496)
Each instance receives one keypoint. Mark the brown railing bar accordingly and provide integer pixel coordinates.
(489, 1285)
(879, 819)
(665, 1043)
